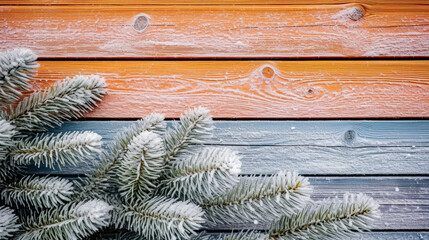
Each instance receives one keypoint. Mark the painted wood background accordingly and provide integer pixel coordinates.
(335, 89)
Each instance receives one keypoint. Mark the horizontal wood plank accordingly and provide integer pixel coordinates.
(206, 2)
(255, 89)
(311, 147)
(234, 31)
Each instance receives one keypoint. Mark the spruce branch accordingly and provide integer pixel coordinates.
(7, 167)
(160, 218)
(8, 222)
(141, 166)
(204, 175)
(39, 192)
(242, 235)
(16, 68)
(100, 179)
(67, 99)
(65, 148)
(329, 220)
(71, 221)
(195, 127)
(260, 199)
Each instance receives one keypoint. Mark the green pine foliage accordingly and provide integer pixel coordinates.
(16, 69)
(202, 176)
(8, 222)
(65, 100)
(160, 218)
(71, 221)
(337, 219)
(38, 192)
(152, 182)
(268, 198)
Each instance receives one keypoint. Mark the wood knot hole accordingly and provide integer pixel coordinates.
(356, 13)
(141, 22)
(349, 136)
(268, 72)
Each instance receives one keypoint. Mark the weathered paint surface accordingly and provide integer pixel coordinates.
(232, 31)
(255, 89)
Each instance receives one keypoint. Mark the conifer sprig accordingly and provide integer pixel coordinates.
(65, 148)
(328, 220)
(260, 199)
(195, 127)
(243, 235)
(71, 221)
(38, 192)
(141, 166)
(160, 218)
(67, 99)
(100, 180)
(7, 167)
(16, 68)
(204, 175)
(8, 222)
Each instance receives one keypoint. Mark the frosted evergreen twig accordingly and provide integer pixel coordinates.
(65, 148)
(260, 199)
(72, 221)
(195, 127)
(141, 167)
(100, 179)
(160, 218)
(16, 68)
(329, 220)
(64, 100)
(39, 192)
(204, 175)
(8, 222)
(243, 235)
(7, 167)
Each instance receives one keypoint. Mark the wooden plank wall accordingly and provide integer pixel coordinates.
(336, 89)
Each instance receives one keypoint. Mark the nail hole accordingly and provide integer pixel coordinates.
(141, 22)
(268, 72)
(310, 91)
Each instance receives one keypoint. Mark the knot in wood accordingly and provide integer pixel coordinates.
(349, 136)
(141, 22)
(356, 13)
(268, 72)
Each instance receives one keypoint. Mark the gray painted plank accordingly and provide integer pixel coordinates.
(311, 147)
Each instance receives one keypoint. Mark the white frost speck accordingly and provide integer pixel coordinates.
(396, 189)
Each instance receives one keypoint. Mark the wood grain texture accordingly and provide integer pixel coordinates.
(311, 147)
(255, 89)
(226, 31)
(205, 2)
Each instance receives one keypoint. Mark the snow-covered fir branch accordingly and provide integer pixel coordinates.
(160, 218)
(100, 180)
(57, 150)
(7, 167)
(38, 192)
(329, 220)
(16, 68)
(141, 166)
(242, 235)
(260, 199)
(64, 100)
(8, 223)
(204, 175)
(71, 221)
(195, 127)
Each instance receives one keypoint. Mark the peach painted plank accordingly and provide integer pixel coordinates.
(197, 2)
(240, 31)
(255, 89)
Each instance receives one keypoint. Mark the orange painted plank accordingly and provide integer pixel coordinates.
(241, 31)
(255, 89)
(203, 2)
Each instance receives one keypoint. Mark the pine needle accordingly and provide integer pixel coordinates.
(63, 149)
(38, 192)
(329, 220)
(260, 199)
(65, 100)
(16, 68)
(204, 175)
